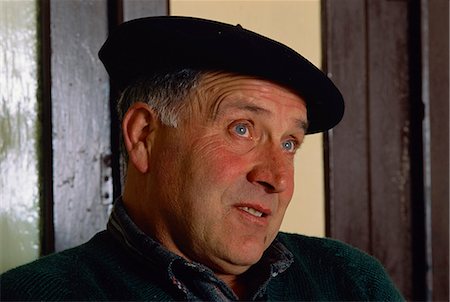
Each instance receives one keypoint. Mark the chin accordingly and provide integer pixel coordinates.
(234, 262)
(243, 259)
(235, 269)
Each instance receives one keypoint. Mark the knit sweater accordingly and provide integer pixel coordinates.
(101, 269)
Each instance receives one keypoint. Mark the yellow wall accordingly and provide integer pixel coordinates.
(295, 23)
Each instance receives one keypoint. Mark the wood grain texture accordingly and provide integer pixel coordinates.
(367, 56)
(437, 59)
(80, 120)
(81, 127)
(350, 185)
(390, 139)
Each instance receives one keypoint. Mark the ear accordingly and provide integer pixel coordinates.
(138, 129)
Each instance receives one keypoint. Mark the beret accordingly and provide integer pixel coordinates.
(145, 46)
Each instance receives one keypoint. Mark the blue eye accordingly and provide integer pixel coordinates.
(289, 146)
(241, 130)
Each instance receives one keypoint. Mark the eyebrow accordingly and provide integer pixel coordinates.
(301, 124)
(255, 109)
(219, 110)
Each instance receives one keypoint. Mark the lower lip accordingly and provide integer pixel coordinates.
(260, 221)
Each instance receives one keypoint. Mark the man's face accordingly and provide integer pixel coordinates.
(221, 181)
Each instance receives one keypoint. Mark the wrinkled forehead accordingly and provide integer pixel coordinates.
(220, 85)
(218, 93)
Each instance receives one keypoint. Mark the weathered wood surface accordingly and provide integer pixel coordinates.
(347, 67)
(435, 29)
(80, 96)
(367, 56)
(82, 186)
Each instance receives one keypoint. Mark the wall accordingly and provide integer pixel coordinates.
(295, 23)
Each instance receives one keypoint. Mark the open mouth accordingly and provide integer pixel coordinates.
(253, 212)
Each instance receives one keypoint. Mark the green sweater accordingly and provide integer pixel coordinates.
(102, 269)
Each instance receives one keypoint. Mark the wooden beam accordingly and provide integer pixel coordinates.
(375, 184)
(346, 64)
(82, 184)
(435, 62)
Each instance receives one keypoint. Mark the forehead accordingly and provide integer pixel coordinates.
(219, 91)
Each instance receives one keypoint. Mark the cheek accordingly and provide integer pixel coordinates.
(167, 175)
(218, 162)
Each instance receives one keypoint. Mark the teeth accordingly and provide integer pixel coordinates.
(252, 211)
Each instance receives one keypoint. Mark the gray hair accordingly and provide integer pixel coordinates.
(166, 93)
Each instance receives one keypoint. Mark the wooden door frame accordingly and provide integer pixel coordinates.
(387, 162)
(75, 96)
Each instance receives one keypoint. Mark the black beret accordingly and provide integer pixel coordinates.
(145, 46)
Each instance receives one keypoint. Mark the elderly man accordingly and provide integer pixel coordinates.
(212, 116)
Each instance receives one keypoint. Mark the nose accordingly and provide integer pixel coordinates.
(272, 171)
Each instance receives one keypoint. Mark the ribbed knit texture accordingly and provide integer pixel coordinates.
(101, 269)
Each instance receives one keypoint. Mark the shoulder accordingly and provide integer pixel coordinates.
(340, 268)
(326, 249)
(100, 269)
(54, 277)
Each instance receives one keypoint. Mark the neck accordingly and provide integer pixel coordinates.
(237, 284)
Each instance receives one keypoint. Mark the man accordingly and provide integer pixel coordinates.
(212, 115)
